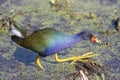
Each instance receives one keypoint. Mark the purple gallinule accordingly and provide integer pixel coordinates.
(49, 41)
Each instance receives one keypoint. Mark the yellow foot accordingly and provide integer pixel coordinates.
(81, 58)
(38, 63)
(84, 58)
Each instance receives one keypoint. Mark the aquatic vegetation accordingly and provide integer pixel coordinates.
(61, 5)
(65, 7)
(91, 15)
(105, 32)
(105, 44)
(54, 2)
(4, 24)
(84, 70)
(115, 11)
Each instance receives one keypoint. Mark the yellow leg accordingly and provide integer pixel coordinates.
(38, 62)
(76, 58)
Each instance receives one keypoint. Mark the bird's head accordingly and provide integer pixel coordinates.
(86, 35)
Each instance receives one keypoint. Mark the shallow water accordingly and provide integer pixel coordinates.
(17, 63)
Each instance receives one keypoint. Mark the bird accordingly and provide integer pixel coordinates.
(49, 41)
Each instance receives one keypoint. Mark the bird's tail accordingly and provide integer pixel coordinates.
(16, 39)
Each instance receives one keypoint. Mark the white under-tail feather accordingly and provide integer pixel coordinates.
(16, 32)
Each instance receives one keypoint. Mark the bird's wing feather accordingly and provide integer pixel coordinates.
(42, 39)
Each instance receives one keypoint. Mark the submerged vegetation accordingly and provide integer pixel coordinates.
(85, 70)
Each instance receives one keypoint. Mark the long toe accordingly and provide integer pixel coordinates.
(84, 58)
